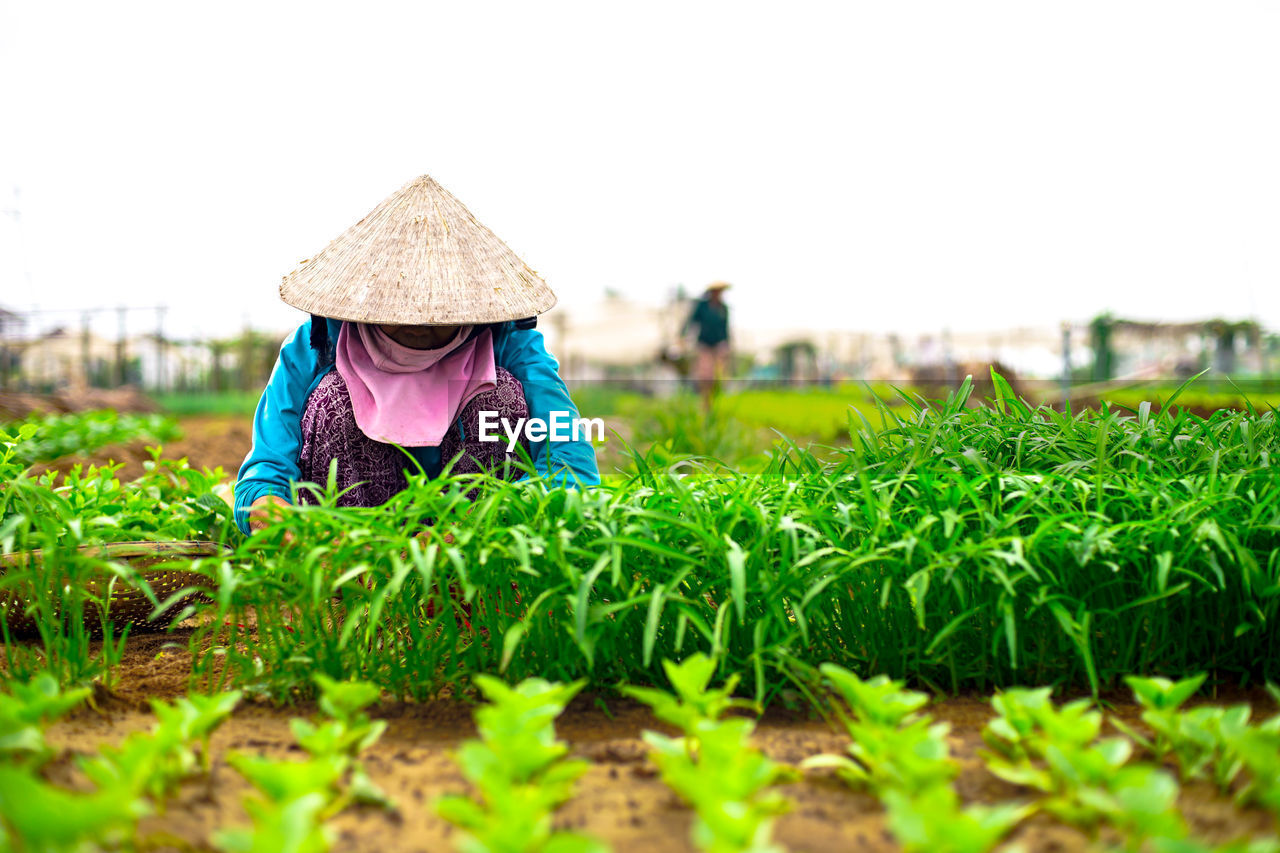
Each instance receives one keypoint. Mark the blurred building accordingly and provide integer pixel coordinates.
(592, 341)
(620, 337)
(62, 358)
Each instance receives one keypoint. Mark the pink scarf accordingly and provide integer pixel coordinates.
(407, 396)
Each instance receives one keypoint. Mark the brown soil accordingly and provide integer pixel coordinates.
(128, 398)
(620, 800)
(208, 441)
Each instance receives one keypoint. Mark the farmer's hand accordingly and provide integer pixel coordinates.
(267, 510)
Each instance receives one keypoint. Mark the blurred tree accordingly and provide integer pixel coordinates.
(1103, 356)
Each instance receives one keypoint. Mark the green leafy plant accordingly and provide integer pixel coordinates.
(932, 820)
(953, 545)
(35, 815)
(152, 764)
(52, 575)
(947, 544)
(694, 699)
(1257, 748)
(1086, 780)
(24, 712)
(726, 780)
(901, 754)
(713, 766)
(297, 797)
(129, 780)
(1162, 700)
(293, 825)
(1028, 723)
(346, 733)
(1199, 739)
(519, 771)
(892, 746)
(54, 436)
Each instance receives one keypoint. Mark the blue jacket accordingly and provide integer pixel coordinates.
(272, 463)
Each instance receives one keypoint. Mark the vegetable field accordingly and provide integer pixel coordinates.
(957, 627)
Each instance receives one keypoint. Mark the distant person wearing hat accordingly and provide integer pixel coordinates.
(421, 329)
(711, 317)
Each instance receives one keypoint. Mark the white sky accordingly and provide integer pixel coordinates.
(879, 166)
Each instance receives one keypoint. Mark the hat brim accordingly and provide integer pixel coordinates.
(418, 259)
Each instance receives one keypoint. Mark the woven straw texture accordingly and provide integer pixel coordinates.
(419, 259)
(126, 604)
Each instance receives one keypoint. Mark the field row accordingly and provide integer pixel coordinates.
(519, 773)
(953, 548)
(944, 546)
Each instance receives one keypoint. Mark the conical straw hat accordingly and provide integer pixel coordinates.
(420, 258)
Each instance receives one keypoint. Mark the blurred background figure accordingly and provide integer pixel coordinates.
(710, 315)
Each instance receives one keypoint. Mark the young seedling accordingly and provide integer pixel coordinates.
(348, 731)
(129, 779)
(727, 781)
(283, 781)
(298, 797)
(693, 700)
(26, 710)
(1161, 700)
(893, 747)
(519, 772)
(194, 719)
(154, 763)
(932, 821)
(1200, 739)
(1086, 780)
(901, 755)
(35, 815)
(1258, 750)
(1027, 723)
(294, 825)
(1093, 784)
(714, 767)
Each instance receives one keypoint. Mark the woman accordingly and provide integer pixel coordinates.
(422, 324)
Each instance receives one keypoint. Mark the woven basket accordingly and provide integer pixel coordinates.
(128, 605)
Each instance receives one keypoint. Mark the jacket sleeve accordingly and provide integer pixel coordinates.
(272, 463)
(572, 462)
